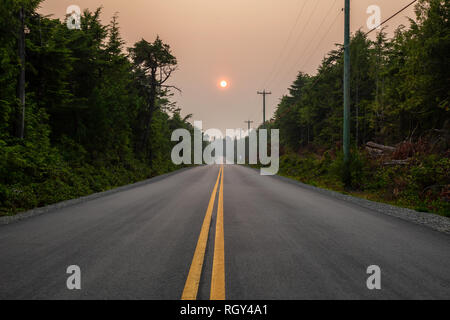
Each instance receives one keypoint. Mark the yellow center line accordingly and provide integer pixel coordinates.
(218, 272)
(195, 272)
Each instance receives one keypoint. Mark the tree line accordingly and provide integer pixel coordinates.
(399, 87)
(97, 114)
(399, 97)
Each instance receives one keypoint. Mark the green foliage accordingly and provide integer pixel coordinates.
(153, 64)
(422, 185)
(360, 169)
(85, 98)
(400, 92)
(399, 87)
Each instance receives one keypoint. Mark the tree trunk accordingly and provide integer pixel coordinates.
(149, 116)
(21, 87)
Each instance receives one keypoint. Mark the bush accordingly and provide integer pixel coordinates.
(422, 185)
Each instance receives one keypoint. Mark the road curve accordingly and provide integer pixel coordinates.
(280, 241)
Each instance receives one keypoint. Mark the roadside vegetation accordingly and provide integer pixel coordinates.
(400, 104)
(97, 115)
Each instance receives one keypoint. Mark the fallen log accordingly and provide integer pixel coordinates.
(397, 162)
(373, 151)
(374, 145)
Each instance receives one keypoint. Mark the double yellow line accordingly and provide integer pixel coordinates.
(218, 272)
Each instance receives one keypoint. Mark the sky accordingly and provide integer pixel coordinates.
(252, 44)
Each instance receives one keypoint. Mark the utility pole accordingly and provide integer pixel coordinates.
(21, 89)
(347, 175)
(264, 93)
(249, 123)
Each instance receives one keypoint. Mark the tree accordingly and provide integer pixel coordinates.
(85, 101)
(153, 64)
(400, 87)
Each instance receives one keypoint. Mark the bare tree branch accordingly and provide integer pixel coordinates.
(172, 87)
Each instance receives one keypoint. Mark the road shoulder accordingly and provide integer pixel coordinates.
(68, 203)
(433, 221)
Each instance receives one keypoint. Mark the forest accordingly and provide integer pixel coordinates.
(79, 112)
(400, 124)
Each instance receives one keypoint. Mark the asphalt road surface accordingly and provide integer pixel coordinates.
(199, 234)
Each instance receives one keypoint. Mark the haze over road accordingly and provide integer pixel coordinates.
(271, 240)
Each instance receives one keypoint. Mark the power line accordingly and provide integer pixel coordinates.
(283, 50)
(319, 76)
(297, 40)
(322, 39)
(320, 26)
(388, 19)
(395, 14)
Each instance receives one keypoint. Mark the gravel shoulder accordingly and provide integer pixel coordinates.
(433, 221)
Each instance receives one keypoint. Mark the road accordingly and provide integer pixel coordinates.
(261, 238)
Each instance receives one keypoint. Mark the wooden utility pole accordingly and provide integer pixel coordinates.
(249, 123)
(264, 93)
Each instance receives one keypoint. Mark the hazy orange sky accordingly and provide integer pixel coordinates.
(240, 41)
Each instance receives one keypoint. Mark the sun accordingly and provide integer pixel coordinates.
(223, 84)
